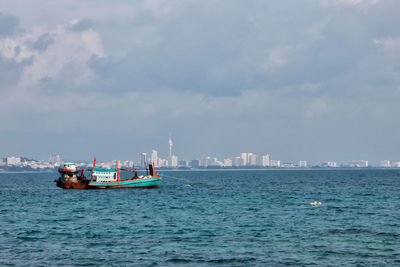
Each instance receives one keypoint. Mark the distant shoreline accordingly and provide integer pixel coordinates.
(283, 169)
(225, 170)
(27, 171)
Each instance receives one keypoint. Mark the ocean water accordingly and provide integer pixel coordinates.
(222, 218)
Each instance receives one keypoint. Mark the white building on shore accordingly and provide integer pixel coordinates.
(303, 164)
(228, 162)
(266, 160)
(385, 164)
(275, 163)
(154, 158)
(13, 160)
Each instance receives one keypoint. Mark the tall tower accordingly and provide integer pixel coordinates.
(143, 160)
(170, 145)
(154, 157)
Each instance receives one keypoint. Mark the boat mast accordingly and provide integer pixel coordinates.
(94, 166)
(118, 172)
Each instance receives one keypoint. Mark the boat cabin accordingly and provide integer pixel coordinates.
(104, 175)
(69, 166)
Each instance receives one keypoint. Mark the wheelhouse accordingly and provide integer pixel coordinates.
(104, 175)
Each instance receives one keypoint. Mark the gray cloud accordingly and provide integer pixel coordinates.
(9, 24)
(81, 25)
(42, 42)
(9, 73)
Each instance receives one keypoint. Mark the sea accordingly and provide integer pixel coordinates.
(206, 218)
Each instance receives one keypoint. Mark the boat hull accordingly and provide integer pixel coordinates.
(152, 182)
(65, 184)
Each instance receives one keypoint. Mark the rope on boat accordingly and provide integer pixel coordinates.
(182, 179)
(176, 178)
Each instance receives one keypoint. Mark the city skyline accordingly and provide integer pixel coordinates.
(165, 155)
(241, 160)
(238, 162)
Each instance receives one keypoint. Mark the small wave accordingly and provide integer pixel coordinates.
(179, 260)
(232, 260)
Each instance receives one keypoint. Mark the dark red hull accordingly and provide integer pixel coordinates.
(72, 185)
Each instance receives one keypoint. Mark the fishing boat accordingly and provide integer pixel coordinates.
(103, 178)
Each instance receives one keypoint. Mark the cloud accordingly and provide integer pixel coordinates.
(275, 59)
(51, 50)
(80, 25)
(355, 3)
(42, 61)
(42, 42)
(9, 25)
(10, 72)
(389, 44)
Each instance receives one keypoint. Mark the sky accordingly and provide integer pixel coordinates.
(315, 80)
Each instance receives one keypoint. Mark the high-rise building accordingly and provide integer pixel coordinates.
(213, 162)
(143, 160)
(244, 156)
(266, 160)
(208, 161)
(195, 163)
(252, 159)
(249, 158)
(183, 163)
(203, 162)
(237, 162)
(228, 162)
(364, 163)
(170, 143)
(303, 164)
(219, 163)
(332, 164)
(396, 164)
(162, 162)
(174, 161)
(385, 163)
(154, 157)
(359, 163)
